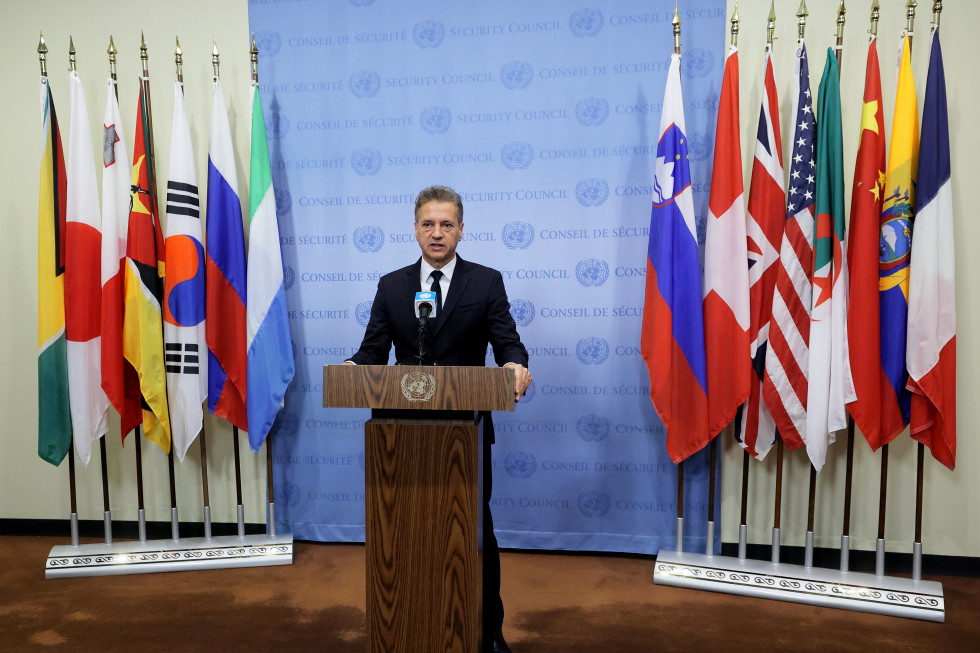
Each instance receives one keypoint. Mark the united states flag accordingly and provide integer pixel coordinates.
(764, 231)
(785, 385)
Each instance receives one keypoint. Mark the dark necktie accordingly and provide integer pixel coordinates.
(437, 289)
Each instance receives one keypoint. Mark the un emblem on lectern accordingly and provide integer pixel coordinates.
(418, 386)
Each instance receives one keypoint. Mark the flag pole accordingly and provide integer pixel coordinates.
(215, 62)
(778, 494)
(845, 538)
(920, 449)
(801, 16)
(676, 22)
(179, 61)
(253, 52)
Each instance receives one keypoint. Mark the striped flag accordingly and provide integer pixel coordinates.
(895, 245)
(767, 215)
(270, 350)
(143, 288)
(83, 287)
(932, 287)
(788, 360)
(726, 275)
(183, 290)
(831, 386)
(53, 412)
(119, 379)
(226, 274)
(863, 315)
(672, 340)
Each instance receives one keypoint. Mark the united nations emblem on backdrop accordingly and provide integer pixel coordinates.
(592, 350)
(284, 202)
(289, 494)
(701, 227)
(360, 459)
(592, 111)
(363, 313)
(592, 428)
(698, 62)
(593, 503)
(364, 83)
(517, 235)
(520, 465)
(698, 146)
(362, 3)
(516, 74)
(529, 393)
(585, 22)
(592, 272)
(268, 43)
(418, 386)
(591, 192)
(368, 238)
(522, 311)
(277, 125)
(288, 276)
(295, 349)
(517, 155)
(435, 120)
(366, 161)
(428, 33)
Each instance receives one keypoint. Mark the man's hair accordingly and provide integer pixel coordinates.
(439, 194)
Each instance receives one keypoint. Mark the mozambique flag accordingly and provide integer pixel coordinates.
(143, 288)
(54, 414)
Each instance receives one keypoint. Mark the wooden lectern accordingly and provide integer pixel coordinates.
(423, 450)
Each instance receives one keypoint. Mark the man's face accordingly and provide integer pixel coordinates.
(438, 231)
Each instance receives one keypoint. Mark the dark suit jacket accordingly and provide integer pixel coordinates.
(475, 314)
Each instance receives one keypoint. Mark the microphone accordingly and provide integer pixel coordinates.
(425, 308)
(425, 304)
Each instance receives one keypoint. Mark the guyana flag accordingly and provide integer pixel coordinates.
(143, 288)
(54, 414)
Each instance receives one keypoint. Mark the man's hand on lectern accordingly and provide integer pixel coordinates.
(522, 379)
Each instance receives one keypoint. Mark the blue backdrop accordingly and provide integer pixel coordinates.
(544, 116)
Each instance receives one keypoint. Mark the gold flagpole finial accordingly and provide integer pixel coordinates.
(734, 29)
(910, 16)
(841, 18)
(214, 57)
(179, 60)
(42, 51)
(112, 52)
(676, 22)
(254, 56)
(71, 54)
(801, 15)
(144, 56)
(771, 27)
(875, 12)
(937, 9)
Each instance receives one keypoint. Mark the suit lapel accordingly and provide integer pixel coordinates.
(456, 289)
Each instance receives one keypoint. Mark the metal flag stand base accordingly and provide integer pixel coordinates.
(829, 588)
(156, 556)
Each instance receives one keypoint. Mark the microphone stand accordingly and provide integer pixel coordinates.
(423, 323)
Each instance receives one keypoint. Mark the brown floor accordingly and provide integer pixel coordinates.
(554, 603)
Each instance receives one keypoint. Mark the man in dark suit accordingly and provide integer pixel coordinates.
(472, 312)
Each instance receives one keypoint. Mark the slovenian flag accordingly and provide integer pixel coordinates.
(225, 317)
(270, 351)
(672, 340)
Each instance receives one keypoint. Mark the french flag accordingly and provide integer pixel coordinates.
(931, 344)
(672, 341)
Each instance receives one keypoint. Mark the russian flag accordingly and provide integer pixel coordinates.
(672, 341)
(225, 275)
